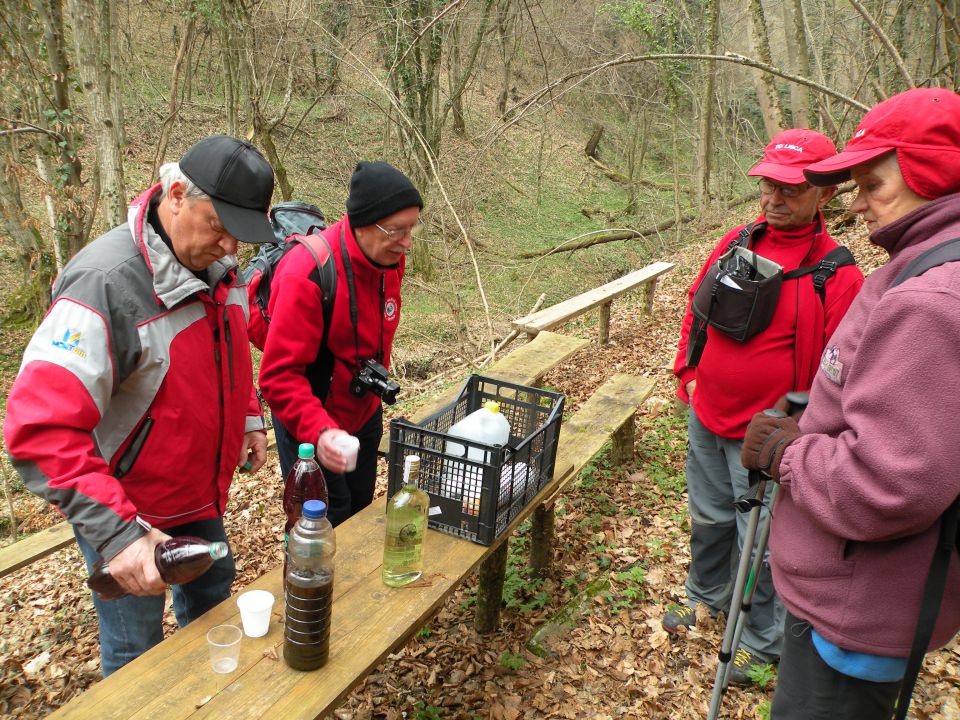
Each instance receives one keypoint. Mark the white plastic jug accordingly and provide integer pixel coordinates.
(486, 425)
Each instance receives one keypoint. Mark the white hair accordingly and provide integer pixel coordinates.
(171, 173)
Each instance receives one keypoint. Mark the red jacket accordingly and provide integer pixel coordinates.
(136, 390)
(736, 380)
(288, 370)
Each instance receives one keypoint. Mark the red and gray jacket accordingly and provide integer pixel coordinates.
(135, 392)
(291, 356)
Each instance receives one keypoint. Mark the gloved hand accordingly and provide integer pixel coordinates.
(766, 439)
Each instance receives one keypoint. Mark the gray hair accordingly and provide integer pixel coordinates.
(171, 173)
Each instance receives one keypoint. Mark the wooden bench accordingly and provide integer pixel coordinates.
(526, 366)
(33, 547)
(561, 313)
(174, 680)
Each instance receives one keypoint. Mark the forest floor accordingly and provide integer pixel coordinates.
(622, 529)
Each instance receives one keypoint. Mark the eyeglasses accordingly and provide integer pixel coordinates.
(787, 191)
(394, 233)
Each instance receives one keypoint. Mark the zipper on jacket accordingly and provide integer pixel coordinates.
(216, 467)
(229, 344)
(132, 452)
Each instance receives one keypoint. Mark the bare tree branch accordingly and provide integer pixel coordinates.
(878, 31)
(730, 57)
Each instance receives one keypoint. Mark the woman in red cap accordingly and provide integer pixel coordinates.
(875, 460)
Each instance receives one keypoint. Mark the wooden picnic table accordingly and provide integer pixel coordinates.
(370, 620)
(174, 679)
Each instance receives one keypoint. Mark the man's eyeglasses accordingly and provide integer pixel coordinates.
(395, 233)
(787, 191)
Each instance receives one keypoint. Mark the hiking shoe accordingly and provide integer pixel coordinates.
(743, 662)
(681, 616)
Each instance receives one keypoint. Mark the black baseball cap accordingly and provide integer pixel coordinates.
(239, 181)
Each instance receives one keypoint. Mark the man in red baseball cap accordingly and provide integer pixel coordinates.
(732, 380)
(872, 466)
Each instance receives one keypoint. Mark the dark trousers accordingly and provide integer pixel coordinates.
(350, 492)
(809, 689)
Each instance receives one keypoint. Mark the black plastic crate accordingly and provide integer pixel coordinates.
(476, 498)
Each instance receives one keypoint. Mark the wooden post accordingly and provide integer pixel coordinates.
(648, 289)
(490, 589)
(623, 442)
(605, 323)
(541, 539)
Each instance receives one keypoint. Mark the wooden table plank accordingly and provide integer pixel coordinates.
(370, 620)
(567, 310)
(35, 546)
(174, 680)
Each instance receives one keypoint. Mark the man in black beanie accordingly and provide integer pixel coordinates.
(317, 379)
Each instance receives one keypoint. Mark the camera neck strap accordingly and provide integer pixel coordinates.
(352, 293)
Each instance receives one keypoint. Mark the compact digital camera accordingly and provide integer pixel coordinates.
(372, 376)
(741, 268)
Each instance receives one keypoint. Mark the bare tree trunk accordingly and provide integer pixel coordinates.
(26, 236)
(455, 71)
(110, 57)
(949, 11)
(178, 64)
(705, 148)
(773, 116)
(68, 227)
(96, 90)
(509, 42)
(230, 70)
(799, 95)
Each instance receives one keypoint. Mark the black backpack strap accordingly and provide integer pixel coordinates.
(745, 235)
(949, 538)
(941, 254)
(947, 542)
(838, 257)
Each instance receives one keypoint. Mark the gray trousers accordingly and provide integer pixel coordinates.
(715, 478)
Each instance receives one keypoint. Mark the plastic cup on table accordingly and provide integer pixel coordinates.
(224, 644)
(255, 608)
(348, 446)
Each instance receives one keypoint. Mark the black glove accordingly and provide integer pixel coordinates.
(766, 439)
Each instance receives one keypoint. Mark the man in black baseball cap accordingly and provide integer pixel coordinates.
(239, 182)
(146, 337)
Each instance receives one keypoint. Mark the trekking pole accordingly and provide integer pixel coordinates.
(748, 574)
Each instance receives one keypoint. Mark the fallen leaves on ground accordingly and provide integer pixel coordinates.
(622, 523)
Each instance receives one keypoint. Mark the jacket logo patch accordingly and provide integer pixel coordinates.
(831, 365)
(71, 343)
(390, 309)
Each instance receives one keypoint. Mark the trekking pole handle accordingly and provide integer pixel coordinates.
(797, 402)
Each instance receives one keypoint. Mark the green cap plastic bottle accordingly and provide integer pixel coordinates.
(305, 451)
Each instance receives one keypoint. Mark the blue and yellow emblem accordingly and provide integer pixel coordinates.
(71, 342)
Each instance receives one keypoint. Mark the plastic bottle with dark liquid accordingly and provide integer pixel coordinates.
(308, 587)
(304, 482)
(179, 561)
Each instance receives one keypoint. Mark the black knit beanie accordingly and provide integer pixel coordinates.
(377, 189)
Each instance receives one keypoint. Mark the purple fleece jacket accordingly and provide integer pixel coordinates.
(855, 524)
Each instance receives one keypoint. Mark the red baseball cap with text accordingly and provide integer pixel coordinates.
(790, 152)
(922, 125)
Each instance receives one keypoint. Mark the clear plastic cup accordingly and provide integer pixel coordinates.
(255, 608)
(348, 446)
(224, 644)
